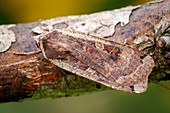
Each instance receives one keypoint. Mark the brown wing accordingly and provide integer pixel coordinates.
(113, 65)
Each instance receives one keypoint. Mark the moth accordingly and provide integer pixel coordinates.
(107, 62)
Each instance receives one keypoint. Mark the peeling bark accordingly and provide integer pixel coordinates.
(29, 54)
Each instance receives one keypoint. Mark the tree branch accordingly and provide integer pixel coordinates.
(27, 71)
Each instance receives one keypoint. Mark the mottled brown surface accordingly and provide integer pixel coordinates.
(114, 65)
(121, 65)
(142, 22)
(23, 67)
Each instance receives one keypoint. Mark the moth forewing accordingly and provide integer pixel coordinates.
(113, 65)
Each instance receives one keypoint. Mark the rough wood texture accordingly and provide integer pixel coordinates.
(28, 52)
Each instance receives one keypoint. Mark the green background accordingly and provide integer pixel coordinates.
(21, 11)
(155, 100)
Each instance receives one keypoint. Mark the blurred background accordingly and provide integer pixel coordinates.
(21, 11)
(155, 100)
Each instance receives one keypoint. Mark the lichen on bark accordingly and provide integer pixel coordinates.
(6, 37)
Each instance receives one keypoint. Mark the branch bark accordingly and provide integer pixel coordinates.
(25, 72)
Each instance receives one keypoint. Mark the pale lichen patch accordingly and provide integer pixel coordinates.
(143, 42)
(100, 24)
(6, 37)
(38, 30)
(141, 39)
(166, 40)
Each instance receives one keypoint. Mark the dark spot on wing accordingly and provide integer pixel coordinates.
(114, 53)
